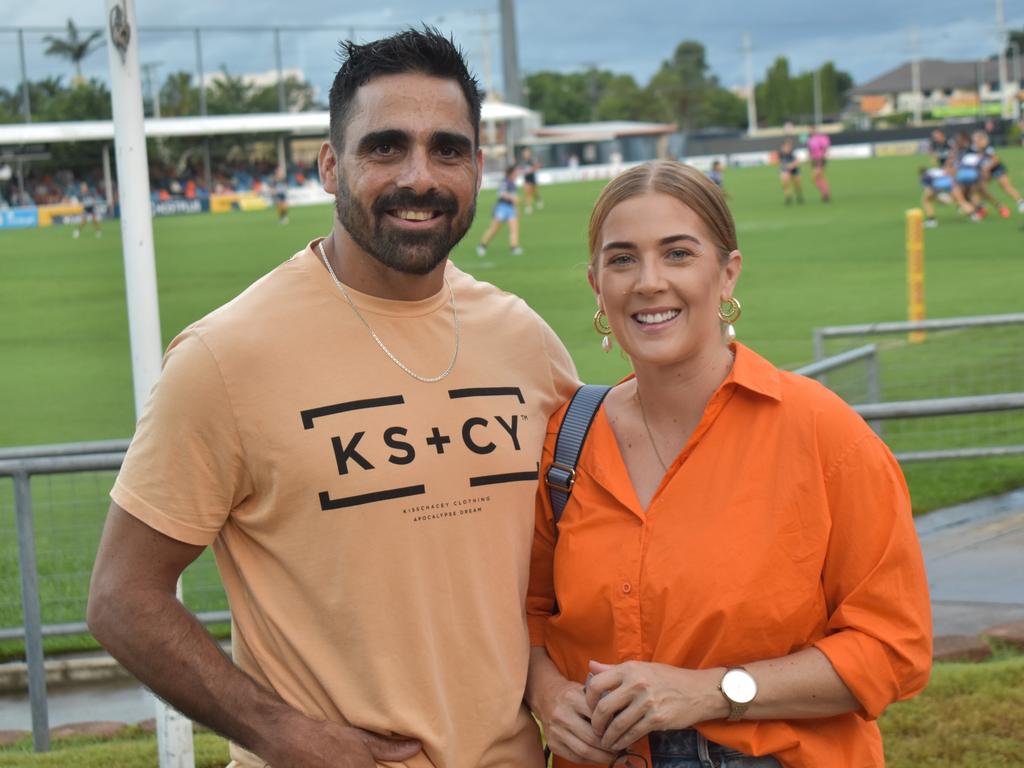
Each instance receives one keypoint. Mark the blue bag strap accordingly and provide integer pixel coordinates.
(569, 444)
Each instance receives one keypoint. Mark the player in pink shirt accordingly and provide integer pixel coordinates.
(817, 147)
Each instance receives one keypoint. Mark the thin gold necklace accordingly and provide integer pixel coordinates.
(376, 338)
(650, 435)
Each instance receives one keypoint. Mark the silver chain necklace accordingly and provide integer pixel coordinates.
(376, 338)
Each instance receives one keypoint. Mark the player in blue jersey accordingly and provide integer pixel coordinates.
(966, 163)
(716, 175)
(506, 211)
(936, 183)
(992, 167)
(281, 196)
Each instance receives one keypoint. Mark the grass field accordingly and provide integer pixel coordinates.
(970, 716)
(65, 367)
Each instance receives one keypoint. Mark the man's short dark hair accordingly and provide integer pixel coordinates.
(424, 51)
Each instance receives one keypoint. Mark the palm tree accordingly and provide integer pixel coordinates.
(74, 48)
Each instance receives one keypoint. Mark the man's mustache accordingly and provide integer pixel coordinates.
(434, 201)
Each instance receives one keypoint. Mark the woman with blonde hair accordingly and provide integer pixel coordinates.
(735, 579)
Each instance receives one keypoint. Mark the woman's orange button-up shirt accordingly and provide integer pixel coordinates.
(783, 523)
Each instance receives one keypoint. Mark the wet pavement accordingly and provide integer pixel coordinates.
(974, 554)
(124, 702)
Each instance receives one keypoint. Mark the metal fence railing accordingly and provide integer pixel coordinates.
(54, 560)
(975, 356)
(60, 502)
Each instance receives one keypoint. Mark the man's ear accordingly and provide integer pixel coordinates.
(327, 164)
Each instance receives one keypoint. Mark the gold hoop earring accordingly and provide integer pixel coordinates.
(603, 327)
(729, 311)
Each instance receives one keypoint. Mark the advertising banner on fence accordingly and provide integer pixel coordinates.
(70, 213)
(19, 218)
(58, 214)
(245, 201)
(180, 205)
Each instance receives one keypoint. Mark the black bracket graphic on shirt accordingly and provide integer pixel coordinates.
(507, 477)
(326, 502)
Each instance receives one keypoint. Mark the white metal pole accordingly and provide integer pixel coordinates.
(173, 730)
(108, 185)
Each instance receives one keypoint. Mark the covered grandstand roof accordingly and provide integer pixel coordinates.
(210, 125)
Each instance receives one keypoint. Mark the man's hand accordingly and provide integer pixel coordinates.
(324, 744)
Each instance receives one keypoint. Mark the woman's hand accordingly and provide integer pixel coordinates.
(630, 700)
(565, 717)
(562, 709)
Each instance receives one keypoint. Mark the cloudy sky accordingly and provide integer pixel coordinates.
(865, 38)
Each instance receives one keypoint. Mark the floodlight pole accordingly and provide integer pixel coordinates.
(816, 83)
(174, 732)
(26, 106)
(748, 55)
(1004, 93)
(510, 52)
(915, 76)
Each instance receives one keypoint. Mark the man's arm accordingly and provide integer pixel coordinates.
(134, 614)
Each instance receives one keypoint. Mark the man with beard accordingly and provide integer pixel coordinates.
(356, 435)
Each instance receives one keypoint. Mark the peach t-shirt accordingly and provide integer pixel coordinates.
(372, 531)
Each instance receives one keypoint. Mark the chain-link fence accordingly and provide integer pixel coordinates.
(68, 511)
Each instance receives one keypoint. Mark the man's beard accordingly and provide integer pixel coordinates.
(414, 253)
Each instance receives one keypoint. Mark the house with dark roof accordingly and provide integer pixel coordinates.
(947, 89)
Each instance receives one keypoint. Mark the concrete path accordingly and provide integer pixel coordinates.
(124, 702)
(974, 554)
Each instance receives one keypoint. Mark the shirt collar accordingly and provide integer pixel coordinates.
(753, 372)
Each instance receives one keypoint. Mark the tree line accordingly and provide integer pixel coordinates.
(684, 91)
(51, 99)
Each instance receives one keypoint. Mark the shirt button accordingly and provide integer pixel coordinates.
(626, 588)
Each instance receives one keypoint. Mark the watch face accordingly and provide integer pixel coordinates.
(739, 686)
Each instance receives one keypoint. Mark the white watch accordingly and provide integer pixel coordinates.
(739, 688)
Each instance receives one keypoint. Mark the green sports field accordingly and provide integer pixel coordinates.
(64, 357)
(65, 370)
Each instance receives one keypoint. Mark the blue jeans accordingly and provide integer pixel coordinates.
(689, 749)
